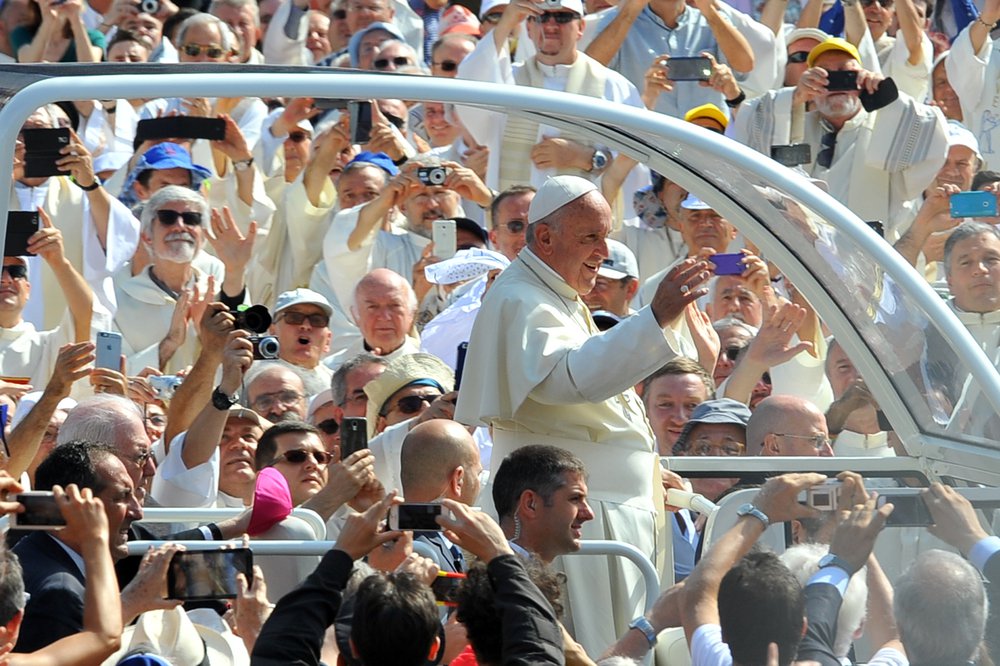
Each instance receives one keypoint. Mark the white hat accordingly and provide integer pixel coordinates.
(420, 369)
(489, 5)
(175, 638)
(556, 193)
(300, 296)
(571, 5)
(805, 33)
(958, 135)
(691, 202)
(318, 401)
(238, 411)
(620, 262)
(465, 265)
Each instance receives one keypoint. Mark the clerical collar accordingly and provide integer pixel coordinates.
(558, 71)
(973, 318)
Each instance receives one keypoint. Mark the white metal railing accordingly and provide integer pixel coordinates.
(214, 515)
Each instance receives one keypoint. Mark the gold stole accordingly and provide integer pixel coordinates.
(586, 77)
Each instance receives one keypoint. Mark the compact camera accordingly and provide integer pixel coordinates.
(257, 320)
(432, 175)
(164, 386)
(265, 347)
(150, 7)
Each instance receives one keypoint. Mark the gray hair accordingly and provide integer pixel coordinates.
(338, 383)
(940, 608)
(406, 47)
(960, 233)
(803, 561)
(172, 194)
(733, 322)
(98, 419)
(226, 37)
(236, 4)
(12, 597)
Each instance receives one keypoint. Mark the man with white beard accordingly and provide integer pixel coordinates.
(158, 309)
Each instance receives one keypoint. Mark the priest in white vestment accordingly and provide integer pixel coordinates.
(538, 371)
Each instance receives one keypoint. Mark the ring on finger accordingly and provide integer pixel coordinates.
(685, 289)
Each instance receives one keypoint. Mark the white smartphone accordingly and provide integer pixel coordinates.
(445, 244)
(419, 516)
(109, 350)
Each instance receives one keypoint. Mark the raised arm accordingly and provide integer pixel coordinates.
(732, 44)
(47, 243)
(606, 44)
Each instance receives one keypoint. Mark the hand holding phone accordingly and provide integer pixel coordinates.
(728, 264)
(683, 68)
(21, 225)
(41, 512)
(208, 574)
(353, 435)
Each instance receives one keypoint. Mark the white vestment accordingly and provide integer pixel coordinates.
(976, 80)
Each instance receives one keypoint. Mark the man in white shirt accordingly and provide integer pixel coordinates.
(302, 325)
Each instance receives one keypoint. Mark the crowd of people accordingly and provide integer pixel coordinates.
(469, 309)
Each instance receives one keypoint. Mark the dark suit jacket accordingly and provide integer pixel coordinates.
(822, 605)
(56, 586)
(443, 556)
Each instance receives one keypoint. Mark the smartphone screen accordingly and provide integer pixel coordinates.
(181, 127)
(973, 204)
(109, 350)
(361, 121)
(445, 587)
(353, 435)
(21, 225)
(842, 80)
(728, 264)
(698, 68)
(40, 512)
(415, 516)
(208, 574)
(909, 510)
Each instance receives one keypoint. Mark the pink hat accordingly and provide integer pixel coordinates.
(458, 19)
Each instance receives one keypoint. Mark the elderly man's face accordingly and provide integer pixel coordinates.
(177, 232)
(974, 273)
(429, 204)
(715, 439)
(840, 371)
(356, 404)
(943, 94)
(449, 56)
(384, 316)
(303, 333)
(203, 43)
(577, 246)
(359, 186)
(703, 229)
(121, 506)
(406, 403)
(278, 397)
(393, 56)
(803, 433)
(133, 448)
(241, 20)
(959, 168)
(731, 341)
(840, 104)
(733, 298)
(318, 39)
(362, 13)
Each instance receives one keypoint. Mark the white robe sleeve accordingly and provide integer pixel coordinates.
(278, 48)
(486, 127)
(765, 74)
(967, 70)
(914, 80)
(225, 192)
(345, 267)
(177, 485)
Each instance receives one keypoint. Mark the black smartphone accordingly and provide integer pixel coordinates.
(886, 94)
(418, 516)
(40, 512)
(445, 587)
(728, 264)
(361, 121)
(877, 227)
(792, 155)
(41, 151)
(181, 127)
(353, 435)
(329, 103)
(21, 225)
(697, 68)
(208, 574)
(463, 349)
(843, 79)
(909, 510)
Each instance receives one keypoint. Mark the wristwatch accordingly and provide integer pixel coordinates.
(243, 165)
(643, 625)
(831, 560)
(599, 161)
(749, 509)
(223, 402)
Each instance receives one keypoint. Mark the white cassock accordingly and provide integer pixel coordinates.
(539, 372)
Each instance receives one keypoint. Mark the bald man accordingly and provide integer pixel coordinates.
(786, 425)
(440, 460)
(384, 309)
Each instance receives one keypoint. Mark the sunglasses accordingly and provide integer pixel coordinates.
(195, 50)
(562, 18)
(411, 404)
(447, 65)
(493, 18)
(514, 226)
(299, 137)
(885, 3)
(398, 61)
(315, 320)
(169, 218)
(339, 14)
(733, 353)
(798, 57)
(328, 427)
(299, 456)
(16, 271)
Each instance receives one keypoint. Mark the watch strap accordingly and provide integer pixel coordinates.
(221, 401)
(642, 624)
(749, 509)
(832, 560)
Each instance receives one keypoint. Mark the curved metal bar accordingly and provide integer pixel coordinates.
(209, 515)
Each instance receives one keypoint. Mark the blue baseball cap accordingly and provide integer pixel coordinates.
(163, 156)
(381, 160)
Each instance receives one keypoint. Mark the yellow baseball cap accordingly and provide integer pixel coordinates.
(710, 111)
(832, 44)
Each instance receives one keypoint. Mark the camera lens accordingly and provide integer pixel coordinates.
(269, 347)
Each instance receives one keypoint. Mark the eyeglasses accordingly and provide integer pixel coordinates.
(819, 442)
(733, 353)
(492, 18)
(16, 271)
(143, 458)
(798, 57)
(339, 14)
(298, 456)
(169, 218)
(195, 50)
(157, 420)
(268, 400)
(447, 65)
(299, 137)
(884, 3)
(562, 18)
(706, 447)
(328, 427)
(514, 226)
(398, 61)
(315, 320)
(411, 404)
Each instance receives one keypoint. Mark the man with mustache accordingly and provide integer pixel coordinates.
(158, 307)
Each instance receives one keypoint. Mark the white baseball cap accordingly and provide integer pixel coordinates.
(691, 202)
(958, 135)
(302, 296)
(620, 262)
(556, 193)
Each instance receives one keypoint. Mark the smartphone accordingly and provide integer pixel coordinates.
(21, 225)
(181, 127)
(329, 103)
(463, 349)
(877, 227)
(361, 121)
(973, 204)
(208, 574)
(886, 94)
(353, 435)
(909, 510)
(792, 155)
(445, 588)
(728, 264)
(41, 151)
(109, 350)
(445, 243)
(418, 516)
(842, 80)
(697, 68)
(40, 511)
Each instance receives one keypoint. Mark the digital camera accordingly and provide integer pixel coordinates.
(432, 175)
(164, 386)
